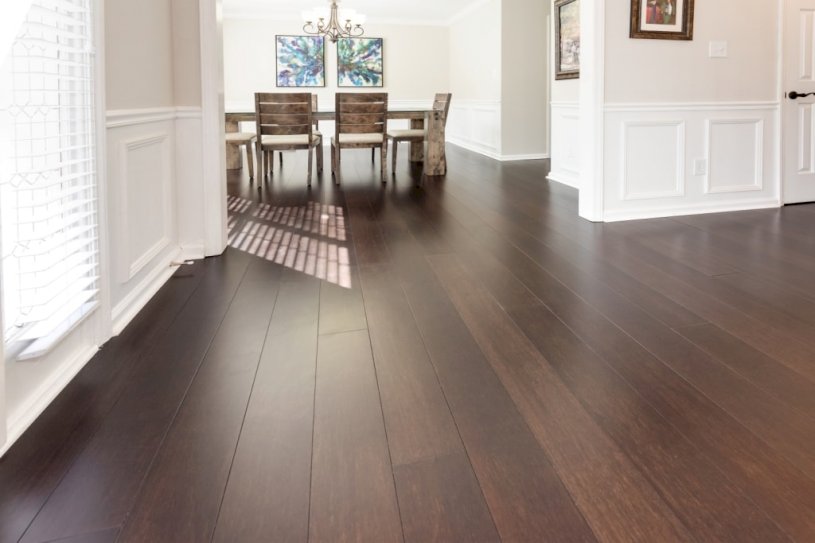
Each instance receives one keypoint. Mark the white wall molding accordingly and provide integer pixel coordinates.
(737, 151)
(117, 118)
(726, 161)
(689, 106)
(565, 119)
(592, 134)
(475, 125)
(640, 162)
(691, 209)
(152, 178)
(138, 297)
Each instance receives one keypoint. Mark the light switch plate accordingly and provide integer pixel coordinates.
(718, 49)
(700, 166)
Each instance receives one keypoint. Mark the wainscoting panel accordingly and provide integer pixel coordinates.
(565, 144)
(653, 159)
(143, 209)
(735, 155)
(476, 125)
(676, 159)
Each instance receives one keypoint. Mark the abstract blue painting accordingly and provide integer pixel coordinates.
(300, 61)
(359, 62)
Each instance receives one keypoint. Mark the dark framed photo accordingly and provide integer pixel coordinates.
(360, 62)
(662, 19)
(300, 61)
(567, 39)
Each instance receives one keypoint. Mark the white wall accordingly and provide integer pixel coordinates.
(671, 109)
(565, 137)
(416, 63)
(475, 79)
(525, 70)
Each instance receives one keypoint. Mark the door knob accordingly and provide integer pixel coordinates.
(794, 95)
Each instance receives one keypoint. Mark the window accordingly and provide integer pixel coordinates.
(48, 187)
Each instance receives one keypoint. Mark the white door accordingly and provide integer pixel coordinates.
(798, 105)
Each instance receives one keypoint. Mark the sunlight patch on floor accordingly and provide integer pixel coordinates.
(310, 239)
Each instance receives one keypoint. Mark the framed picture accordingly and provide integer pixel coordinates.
(359, 62)
(567, 39)
(300, 61)
(662, 19)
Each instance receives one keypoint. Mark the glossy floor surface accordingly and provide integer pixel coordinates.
(468, 361)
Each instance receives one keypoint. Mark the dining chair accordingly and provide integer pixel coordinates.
(316, 132)
(361, 122)
(244, 139)
(441, 106)
(284, 123)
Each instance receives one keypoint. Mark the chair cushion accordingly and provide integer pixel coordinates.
(362, 138)
(239, 137)
(417, 133)
(296, 139)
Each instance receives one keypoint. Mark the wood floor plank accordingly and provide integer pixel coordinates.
(352, 490)
(755, 366)
(175, 502)
(440, 500)
(267, 498)
(419, 423)
(525, 496)
(101, 486)
(566, 431)
(422, 434)
(30, 471)
(341, 307)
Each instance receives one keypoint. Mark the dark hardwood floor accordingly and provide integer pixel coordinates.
(467, 361)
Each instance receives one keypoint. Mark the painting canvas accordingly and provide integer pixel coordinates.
(359, 62)
(300, 61)
(567, 39)
(662, 19)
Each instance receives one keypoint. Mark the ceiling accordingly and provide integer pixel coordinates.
(432, 12)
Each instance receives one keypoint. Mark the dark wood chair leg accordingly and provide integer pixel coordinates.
(394, 147)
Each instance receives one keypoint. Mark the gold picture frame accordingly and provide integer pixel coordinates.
(662, 19)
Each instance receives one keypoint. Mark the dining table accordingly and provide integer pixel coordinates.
(431, 152)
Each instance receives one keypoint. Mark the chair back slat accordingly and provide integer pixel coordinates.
(314, 109)
(361, 113)
(283, 114)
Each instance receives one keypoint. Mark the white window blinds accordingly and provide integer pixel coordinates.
(48, 205)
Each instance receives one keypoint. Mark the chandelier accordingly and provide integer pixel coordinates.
(333, 29)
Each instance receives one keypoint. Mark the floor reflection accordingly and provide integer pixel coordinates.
(310, 239)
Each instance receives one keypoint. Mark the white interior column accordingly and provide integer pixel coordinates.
(213, 183)
(592, 115)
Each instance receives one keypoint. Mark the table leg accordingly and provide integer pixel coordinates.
(435, 153)
(416, 149)
(234, 160)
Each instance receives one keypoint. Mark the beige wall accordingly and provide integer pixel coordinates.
(138, 54)
(186, 53)
(475, 54)
(416, 60)
(524, 67)
(681, 71)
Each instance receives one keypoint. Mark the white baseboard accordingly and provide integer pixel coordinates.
(564, 179)
(475, 148)
(43, 396)
(192, 252)
(129, 307)
(518, 158)
(626, 215)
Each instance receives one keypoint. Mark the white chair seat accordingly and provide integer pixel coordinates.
(361, 138)
(240, 137)
(407, 133)
(296, 139)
